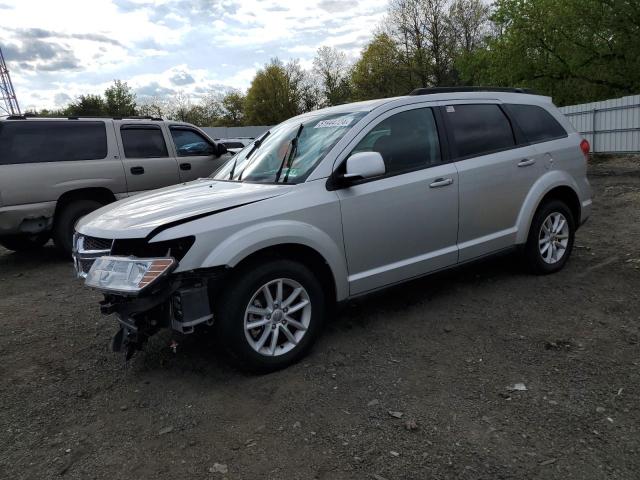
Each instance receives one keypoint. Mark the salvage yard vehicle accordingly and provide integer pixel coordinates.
(334, 204)
(55, 170)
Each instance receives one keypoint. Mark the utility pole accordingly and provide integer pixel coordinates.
(8, 101)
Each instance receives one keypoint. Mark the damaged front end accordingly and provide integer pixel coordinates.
(145, 293)
(179, 303)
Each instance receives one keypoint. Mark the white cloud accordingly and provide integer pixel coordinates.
(72, 47)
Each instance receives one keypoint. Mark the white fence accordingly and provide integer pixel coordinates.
(235, 132)
(611, 126)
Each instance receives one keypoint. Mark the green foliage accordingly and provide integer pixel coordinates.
(574, 50)
(86, 106)
(277, 92)
(332, 68)
(120, 100)
(233, 109)
(379, 72)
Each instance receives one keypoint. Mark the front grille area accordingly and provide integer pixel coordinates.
(94, 243)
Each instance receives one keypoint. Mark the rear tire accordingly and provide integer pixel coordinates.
(25, 242)
(65, 222)
(551, 237)
(294, 318)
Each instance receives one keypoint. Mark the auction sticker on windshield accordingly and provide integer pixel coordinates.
(334, 122)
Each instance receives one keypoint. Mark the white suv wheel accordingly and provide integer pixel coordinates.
(553, 237)
(277, 317)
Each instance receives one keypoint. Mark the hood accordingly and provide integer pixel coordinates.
(137, 216)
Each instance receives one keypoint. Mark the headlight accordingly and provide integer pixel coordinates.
(127, 274)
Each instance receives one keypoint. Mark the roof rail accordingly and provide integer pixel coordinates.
(133, 117)
(16, 117)
(434, 90)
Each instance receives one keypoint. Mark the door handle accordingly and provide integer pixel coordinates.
(441, 182)
(526, 162)
(185, 166)
(137, 170)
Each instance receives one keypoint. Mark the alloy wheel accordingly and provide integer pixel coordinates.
(277, 317)
(553, 238)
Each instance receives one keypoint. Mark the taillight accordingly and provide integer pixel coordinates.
(585, 147)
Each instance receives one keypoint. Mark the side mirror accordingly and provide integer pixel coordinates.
(364, 165)
(220, 149)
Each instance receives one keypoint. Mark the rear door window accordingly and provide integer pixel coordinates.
(190, 143)
(26, 141)
(536, 123)
(143, 141)
(479, 129)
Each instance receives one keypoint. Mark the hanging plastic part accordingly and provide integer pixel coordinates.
(173, 346)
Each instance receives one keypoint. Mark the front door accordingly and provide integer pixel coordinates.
(405, 223)
(147, 163)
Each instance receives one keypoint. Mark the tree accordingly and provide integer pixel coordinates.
(233, 108)
(86, 106)
(425, 41)
(120, 100)
(332, 68)
(380, 72)
(277, 92)
(574, 50)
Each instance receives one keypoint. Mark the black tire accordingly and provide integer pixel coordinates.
(533, 256)
(230, 306)
(25, 242)
(66, 219)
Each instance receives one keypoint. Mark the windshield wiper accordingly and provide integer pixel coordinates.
(288, 159)
(255, 146)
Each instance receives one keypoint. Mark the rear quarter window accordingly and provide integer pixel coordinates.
(536, 123)
(25, 141)
(479, 129)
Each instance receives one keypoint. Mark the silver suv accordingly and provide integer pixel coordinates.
(55, 170)
(334, 204)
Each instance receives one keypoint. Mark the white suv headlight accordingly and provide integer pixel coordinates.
(127, 274)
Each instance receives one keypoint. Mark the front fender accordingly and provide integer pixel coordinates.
(253, 238)
(546, 183)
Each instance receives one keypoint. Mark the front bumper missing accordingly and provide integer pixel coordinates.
(178, 304)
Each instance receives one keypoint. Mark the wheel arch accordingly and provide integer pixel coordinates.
(99, 194)
(305, 242)
(298, 252)
(555, 185)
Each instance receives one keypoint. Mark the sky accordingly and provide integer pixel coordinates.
(58, 49)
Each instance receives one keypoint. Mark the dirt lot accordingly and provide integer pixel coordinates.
(440, 351)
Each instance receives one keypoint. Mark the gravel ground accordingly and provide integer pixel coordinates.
(409, 383)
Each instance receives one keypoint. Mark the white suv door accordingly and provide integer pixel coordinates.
(405, 223)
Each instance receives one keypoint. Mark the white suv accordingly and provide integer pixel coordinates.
(334, 204)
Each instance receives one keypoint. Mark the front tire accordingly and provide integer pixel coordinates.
(65, 222)
(270, 314)
(551, 237)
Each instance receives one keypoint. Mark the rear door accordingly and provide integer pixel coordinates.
(496, 169)
(196, 154)
(146, 158)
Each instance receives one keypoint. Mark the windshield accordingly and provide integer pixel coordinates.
(290, 151)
